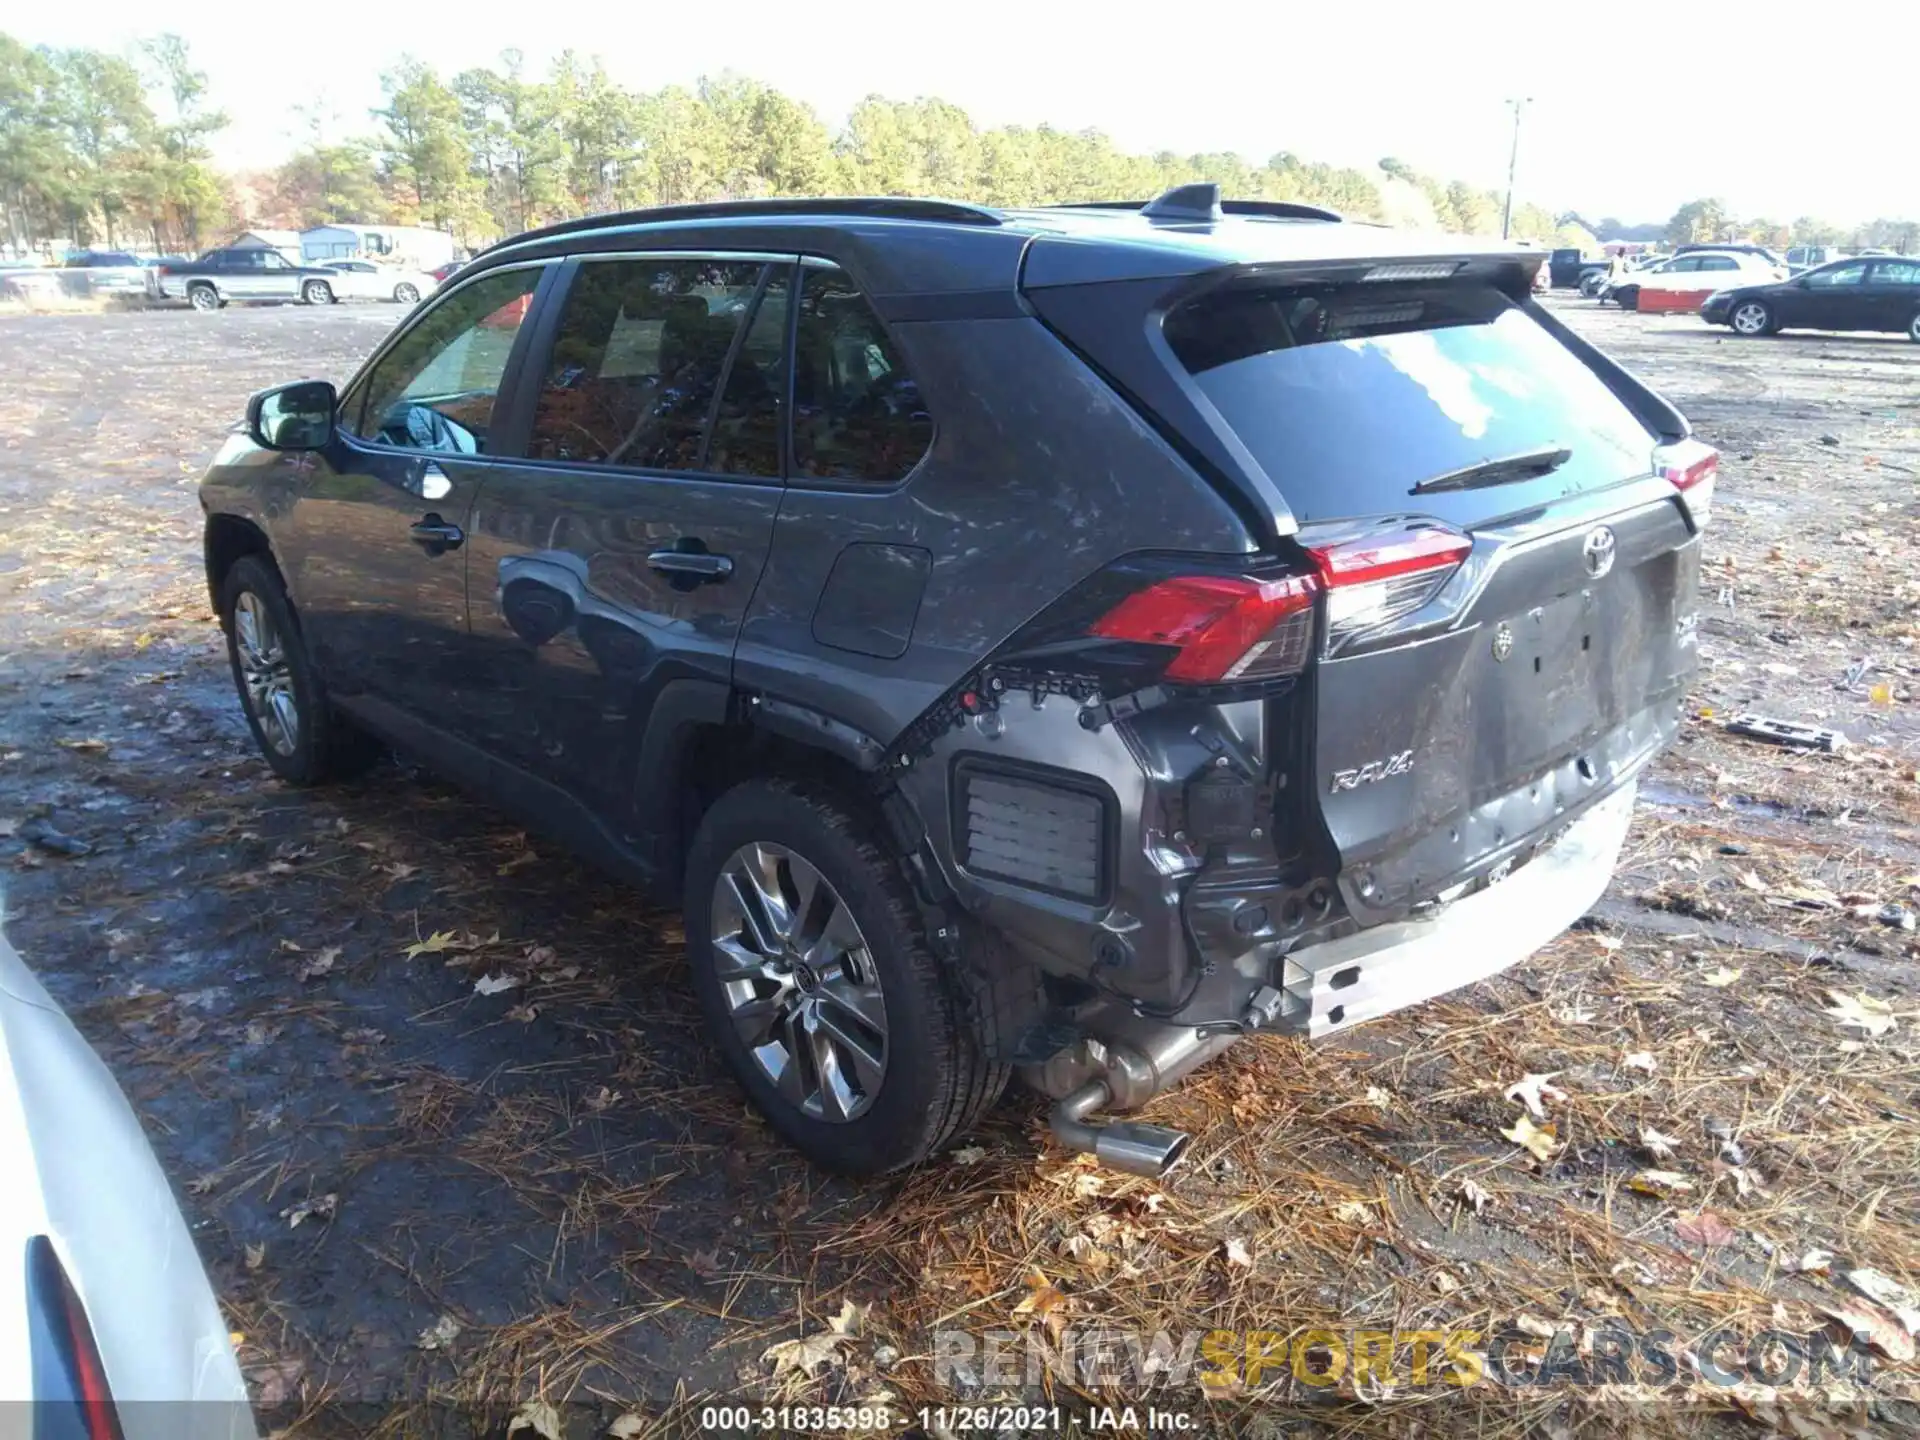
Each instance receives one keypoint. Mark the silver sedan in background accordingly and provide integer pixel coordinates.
(364, 280)
(107, 1323)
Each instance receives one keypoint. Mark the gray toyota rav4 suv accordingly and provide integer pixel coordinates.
(1054, 641)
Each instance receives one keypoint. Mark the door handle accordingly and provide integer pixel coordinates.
(434, 535)
(695, 564)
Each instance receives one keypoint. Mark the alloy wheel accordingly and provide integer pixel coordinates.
(266, 674)
(799, 982)
(405, 294)
(201, 297)
(318, 293)
(1750, 319)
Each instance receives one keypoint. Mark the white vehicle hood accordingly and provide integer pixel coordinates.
(78, 1170)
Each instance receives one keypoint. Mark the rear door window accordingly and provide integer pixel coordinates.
(1853, 274)
(857, 412)
(636, 364)
(1350, 397)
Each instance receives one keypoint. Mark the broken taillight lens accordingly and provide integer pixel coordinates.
(1373, 580)
(1690, 467)
(1225, 628)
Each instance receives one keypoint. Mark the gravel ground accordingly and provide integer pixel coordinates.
(559, 1177)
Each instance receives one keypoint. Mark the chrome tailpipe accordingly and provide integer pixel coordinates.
(1127, 1145)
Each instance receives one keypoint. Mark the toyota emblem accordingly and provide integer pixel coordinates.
(1502, 643)
(1597, 552)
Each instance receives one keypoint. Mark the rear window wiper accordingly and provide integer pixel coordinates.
(1528, 465)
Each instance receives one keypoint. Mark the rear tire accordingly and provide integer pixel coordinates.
(406, 294)
(299, 733)
(1627, 299)
(1752, 318)
(1913, 329)
(846, 938)
(203, 298)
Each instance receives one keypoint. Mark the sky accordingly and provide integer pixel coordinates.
(1634, 109)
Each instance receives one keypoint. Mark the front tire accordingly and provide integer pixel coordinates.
(1751, 318)
(406, 294)
(1913, 329)
(817, 982)
(281, 692)
(317, 292)
(1628, 298)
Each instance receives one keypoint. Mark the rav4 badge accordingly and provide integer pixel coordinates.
(1372, 771)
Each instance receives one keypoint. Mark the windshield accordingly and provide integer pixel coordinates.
(1349, 398)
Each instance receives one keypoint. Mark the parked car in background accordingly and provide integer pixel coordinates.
(364, 280)
(444, 273)
(1811, 257)
(109, 1325)
(1693, 273)
(104, 272)
(1596, 279)
(1566, 265)
(1731, 247)
(1051, 745)
(220, 277)
(1880, 293)
(22, 280)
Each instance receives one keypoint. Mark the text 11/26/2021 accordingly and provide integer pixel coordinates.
(939, 1420)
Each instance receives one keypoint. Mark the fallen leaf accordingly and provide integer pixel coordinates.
(1530, 1090)
(1659, 1146)
(603, 1098)
(539, 1417)
(1236, 1253)
(1444, 1283)
(849, 1320)
(256, 1257)
(524, 1014)
(1045, 1302)
(1536, 1327)
(806, 1356)
(1379, 1097)
(1476, 1196)
(969, 1155)
(1536, 1140)
(439, 1335)
(1721, 977)
(319, 964)
(1814, 1262)
(318, 1207)
(494, 984)
(1867, 1321)
(1640, 1060)
(434, 944)
(1861, 1012)
(1660, 1183)
(626, 1426)
(1706, 1229)
(1885, 1290)
(1354, 1212)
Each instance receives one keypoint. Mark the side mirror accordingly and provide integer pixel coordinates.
(293, 417)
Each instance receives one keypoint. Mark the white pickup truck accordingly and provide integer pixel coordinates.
(241, 273)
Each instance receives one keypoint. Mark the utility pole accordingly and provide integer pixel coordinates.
(1513, 161)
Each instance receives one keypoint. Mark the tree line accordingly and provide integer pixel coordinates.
(115, 150)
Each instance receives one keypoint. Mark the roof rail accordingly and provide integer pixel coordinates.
(1182, 203)
(879, 207)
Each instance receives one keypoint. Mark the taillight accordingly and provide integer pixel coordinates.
(1690, 467)
(1373, 580)
(1224, 627)
(69, 1383)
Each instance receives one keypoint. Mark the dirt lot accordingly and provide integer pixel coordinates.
(559, 1180)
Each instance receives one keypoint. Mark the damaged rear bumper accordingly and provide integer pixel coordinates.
(1374, 972)
(1330, 987)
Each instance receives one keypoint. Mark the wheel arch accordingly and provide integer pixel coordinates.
(227, 538)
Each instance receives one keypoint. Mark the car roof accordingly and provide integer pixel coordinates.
(915, 246)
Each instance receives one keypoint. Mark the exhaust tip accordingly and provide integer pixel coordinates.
(1136, 1149)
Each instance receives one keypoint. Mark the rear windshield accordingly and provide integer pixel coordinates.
(1351, 397)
